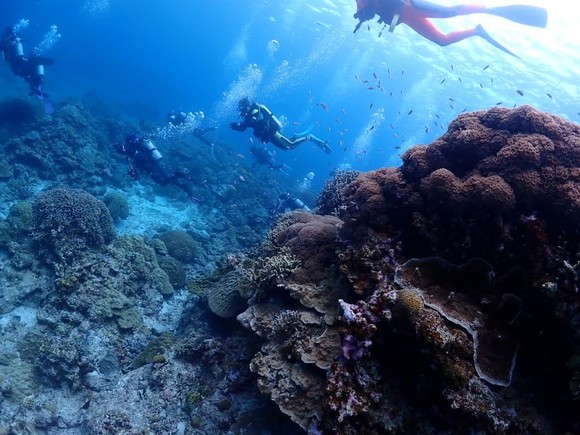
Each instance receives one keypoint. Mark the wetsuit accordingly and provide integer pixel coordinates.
(267, 128)
(32, 70)
(416, 14)
(145, 157)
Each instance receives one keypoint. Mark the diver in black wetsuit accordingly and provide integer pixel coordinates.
(287, 202)
(30, 69)
(145, 157)
(265, 157)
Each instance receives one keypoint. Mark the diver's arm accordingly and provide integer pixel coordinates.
(239, 126)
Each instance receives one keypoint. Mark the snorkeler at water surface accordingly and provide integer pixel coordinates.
(416, 14)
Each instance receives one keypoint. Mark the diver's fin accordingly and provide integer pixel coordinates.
(482, 33)
(523, 14)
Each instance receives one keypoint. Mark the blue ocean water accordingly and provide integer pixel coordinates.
(302, 59)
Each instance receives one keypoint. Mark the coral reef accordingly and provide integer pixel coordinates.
(493, 193)
(180, 245)
(68, 221)
(294, 314)
(117, 205)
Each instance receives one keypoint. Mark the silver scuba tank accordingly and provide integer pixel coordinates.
(18, 48)
(154, 151)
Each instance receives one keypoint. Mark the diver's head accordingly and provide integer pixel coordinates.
(244, 105)
(132, 140)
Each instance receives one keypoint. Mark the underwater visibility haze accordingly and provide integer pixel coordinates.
(411, 264)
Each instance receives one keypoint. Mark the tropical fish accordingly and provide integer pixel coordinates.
(370, 88)
(485, 67)
(371, 106)
(241, 156)
(442, 81)
(323, 105)
(520, 92)
(499, 103)
(410, 111)
(459, 78)
(550, 96)
(371, 128)
(375, 76)
(356, 77)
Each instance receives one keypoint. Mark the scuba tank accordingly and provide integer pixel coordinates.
(154, 151)
(40, 70)
(271, 116)
(18, 48)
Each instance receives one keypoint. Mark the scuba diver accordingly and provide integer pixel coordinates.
(415, 14)
(265, 157)
(287, 203)
(31, 69)
(267, 127)
(176, 119)
(145, 157)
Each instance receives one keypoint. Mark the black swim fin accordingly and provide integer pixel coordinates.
(523, 14)
(482, 33)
